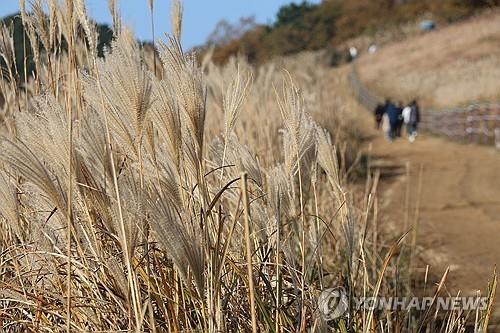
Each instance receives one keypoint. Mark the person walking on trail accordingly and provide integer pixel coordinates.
(392, 114)
(406, 118)
(400, 119)
(386, 127)
(411, 118)
(378, 113)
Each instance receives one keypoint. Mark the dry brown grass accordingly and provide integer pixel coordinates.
(449, 67)
(127, 194)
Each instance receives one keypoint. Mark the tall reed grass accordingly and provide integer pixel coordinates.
(177, 195)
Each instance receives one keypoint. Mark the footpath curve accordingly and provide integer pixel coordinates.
(459, 215)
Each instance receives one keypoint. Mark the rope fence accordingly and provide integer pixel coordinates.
(475, 123)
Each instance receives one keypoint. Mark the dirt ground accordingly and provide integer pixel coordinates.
(459, 215)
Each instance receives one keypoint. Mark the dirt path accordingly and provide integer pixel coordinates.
(459, 216)
(459, 224)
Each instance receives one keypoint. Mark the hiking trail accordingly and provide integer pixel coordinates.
(459, 216)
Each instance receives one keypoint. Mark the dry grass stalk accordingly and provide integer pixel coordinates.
(249, 251)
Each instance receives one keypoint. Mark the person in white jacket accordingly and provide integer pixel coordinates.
(411, 118)
(406, 114)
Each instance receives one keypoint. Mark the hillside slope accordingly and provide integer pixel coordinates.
(445, 68)
(331, 24)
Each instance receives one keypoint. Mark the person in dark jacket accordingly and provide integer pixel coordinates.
(379, 114)
(400, 119)
(393, 115)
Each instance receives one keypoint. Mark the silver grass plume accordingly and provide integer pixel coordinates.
(231, 104)
(41, 23)
(7, 111)
(127, 91)
(181, 245)
(91, 146)
(299, 133)
(64, 22)
(233, 99)
(278, 189)
(32, 36)
(52, 6)
(163, 172)
(22, 159)
(176, 13)
(238, 156)
(185, 77)
(89, 28)
(94, 169)
(9, 206)
(7, 49)
(22, 9)
(132, 206)
(327, 159)
(167, 118)
(115, 15)
(44, 130)
(40, 154)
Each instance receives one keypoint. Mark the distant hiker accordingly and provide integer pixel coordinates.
(386, 126)
(406, 116)
(400, 119)
(372, 49)
(392, 114)
(427, 25)
(353, 52)
(378, 113)
(411, 117)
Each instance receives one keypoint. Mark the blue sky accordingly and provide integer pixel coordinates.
(200, 16)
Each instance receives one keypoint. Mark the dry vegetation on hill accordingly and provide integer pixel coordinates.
(195, 197)
(449, 67)
(332, 23)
